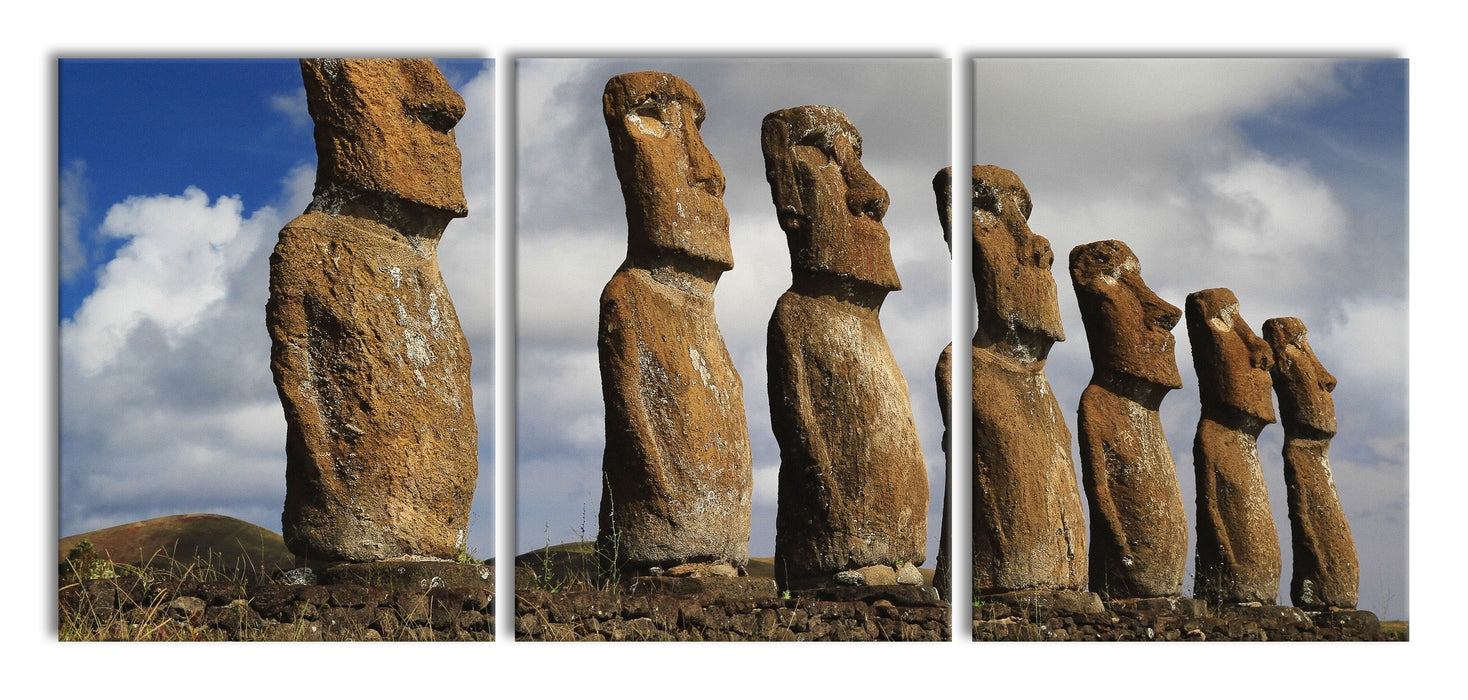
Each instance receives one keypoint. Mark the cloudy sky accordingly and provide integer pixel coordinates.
(176, 177)
(1285, 181)
(572, 236)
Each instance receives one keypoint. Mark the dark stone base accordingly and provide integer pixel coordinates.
(400, 574)
(1019, 617)
(1024, 603)
(1363, 622)
(721, 586)
(1174, 605)
(896, 594)
(601, 615)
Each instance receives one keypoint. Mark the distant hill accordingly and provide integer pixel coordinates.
(178, 541)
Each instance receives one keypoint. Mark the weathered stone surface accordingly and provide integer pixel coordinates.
(1139, 529)
(366, 349)
(879, 575)
(853, 487)
(728, 586)
(1238, 558)
(703, 570)
(1028, 527)
(1025, 603)
(409, 575)
(855, 613)
(1325, 572)
(677, 472)
(943, 375)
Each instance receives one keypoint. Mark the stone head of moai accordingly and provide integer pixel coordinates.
(1019, 312)
(829, 206)
(1301, 382)
(1128, 327)
(1232, 363)
(385, 144)
(943, 192)
(672, 185)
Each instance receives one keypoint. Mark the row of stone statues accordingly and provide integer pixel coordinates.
(677, 470)
(373, 373)
(852, 484)
(1026, 510)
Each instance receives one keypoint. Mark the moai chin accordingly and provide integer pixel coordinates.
(1139, 529)
(1029, 527)
(1238, 559)
(369, 360)
(1325, 571)
(853, 488)
(943, 374)
(677, 475)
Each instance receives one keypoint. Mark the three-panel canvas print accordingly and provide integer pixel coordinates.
(752, 349)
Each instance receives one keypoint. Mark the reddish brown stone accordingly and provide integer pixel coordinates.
(367, 353)
(677, 471)
(1029, 528)
(1238, 557)
(1325, 571)
(853, 487)
(943, 374)
(1139, 530)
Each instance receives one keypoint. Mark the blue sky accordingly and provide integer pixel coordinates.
(176, 176)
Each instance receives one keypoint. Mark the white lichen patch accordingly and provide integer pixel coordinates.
(1114, 274)
(1224, 320)
(396, 273)
(416, 348)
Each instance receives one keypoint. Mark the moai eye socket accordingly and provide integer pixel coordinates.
(437, 116)
(986, 199)
(648, 119)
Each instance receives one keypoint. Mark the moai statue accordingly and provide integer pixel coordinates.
(1139, 530)
(853, 487)
(1238, 548)
(1029, 527)
(369, 360)
(677, 475)
(1326, 573)
(943, 571)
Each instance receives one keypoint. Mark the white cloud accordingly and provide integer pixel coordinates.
(167, 402)
(767, 485)
(1371, 343)
(466, 251)
(73, 196)
(292, 106)
(1281, 208)
(175, 266)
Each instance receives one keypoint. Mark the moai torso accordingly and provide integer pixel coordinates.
(943, 374)
(1238, 557)
(1028, 529)
(677, 472)
(1325, 572)
(1139, 529)
(853, 487)
(368, 357)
